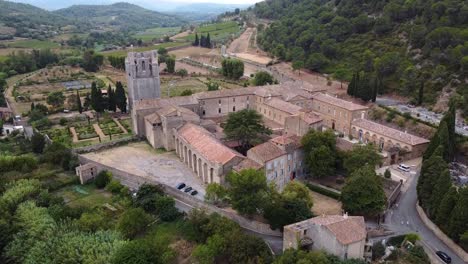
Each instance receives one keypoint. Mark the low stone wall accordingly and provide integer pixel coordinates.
(441, 235)
(134, 181)
(105, 145)
(179, 47)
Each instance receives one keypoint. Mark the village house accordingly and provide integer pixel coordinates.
(341, 235)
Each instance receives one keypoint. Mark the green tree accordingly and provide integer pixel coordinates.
(38, 143)
(170, 64)
(186, 92)
(247, 190)
(120, 97)
(92, 61)
(212, 86)
(232, 68)
(361, 155)
(93, 221)
(457, 222)
(136, 251)
(56, 99)
(133, 221)
(78, 102)
(431, 170)
(262, 78)
(102, 179)
(111, 102)
(182, 72)
(387, 174)
(197, 41)
(215, 193)
(165, 208)
(97, 100)
(245, 126)
(363, 193)
(445, 208)
(297, 66)
(319, 152)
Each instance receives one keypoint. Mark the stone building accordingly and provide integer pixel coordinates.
(86, 172)
(341, 235)
(337, 113)
(142, 71)
(281, 159)
(394, 144)
(208, 157)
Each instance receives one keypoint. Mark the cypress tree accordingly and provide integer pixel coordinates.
(441, 187)
(458, 223)
(421, 93)
(96, 98)
(78, 102)
(432, 168)
(351, 85)
(197, 41)
(32, 106)
(445, 208)
(120, 97)
(208, 40)
(111, 99)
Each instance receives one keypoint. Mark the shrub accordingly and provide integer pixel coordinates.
(114, 186)
(387, 174)
(102, 179)
(378, 250)
(323, 191)
(412, 237)
(396, 240)
(133, 221)
(63, 121)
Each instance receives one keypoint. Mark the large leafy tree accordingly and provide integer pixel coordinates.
(320, 152)
(245, 126)
(361, 156)
(363, 193)
(56, 99)
(247, 190)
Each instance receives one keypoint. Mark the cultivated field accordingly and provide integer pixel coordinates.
(156, 33)
(151, 47)
(218, 31)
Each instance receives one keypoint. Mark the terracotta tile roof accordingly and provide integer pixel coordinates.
(286, 140)
(346, 229)
(202, 141)
(225, 93)
(283, 106)
(247, 164)
(389, 132)
(153, 118)
(266, 151)
(5, 110)
(338, 102)
(311, 118)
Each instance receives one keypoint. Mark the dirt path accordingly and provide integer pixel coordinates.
(180, 35)
(98, 130)
(74, 134)
(120, 126)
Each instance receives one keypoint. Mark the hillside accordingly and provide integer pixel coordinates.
(28, 21)
(120, 15)
(398, 46)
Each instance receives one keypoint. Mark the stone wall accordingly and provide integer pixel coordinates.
(134, 181)
(105, 145)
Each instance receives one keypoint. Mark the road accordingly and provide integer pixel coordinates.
(404, 218)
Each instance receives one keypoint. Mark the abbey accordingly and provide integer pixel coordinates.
(190, 125)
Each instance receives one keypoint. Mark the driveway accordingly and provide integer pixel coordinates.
(142, 160)
(403, 218)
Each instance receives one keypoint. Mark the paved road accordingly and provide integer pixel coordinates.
(404, 218)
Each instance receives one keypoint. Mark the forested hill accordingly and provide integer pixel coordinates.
(403, 43)
(120, 15)
(27, 20)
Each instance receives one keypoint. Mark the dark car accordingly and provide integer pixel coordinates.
(194, 192)
(444, 257)
(180, 186)
(188, 189)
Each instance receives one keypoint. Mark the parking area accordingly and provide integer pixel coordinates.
(398, 174)
(142, 160)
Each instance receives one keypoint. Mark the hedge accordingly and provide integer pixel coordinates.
(323, 191)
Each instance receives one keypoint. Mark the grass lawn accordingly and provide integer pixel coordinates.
(218, 31)
(85, 195)
(34, 44)
(152, 47)
(156, 33)
(181, 85)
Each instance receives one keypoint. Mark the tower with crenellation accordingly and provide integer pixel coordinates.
(142, 70)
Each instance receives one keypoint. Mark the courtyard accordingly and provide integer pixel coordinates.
(142, 160)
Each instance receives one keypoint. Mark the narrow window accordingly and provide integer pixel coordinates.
(233, 108)
(219, 110)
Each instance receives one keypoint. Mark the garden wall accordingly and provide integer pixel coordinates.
(105, 145)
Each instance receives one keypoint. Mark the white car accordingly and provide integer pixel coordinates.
(404, 167)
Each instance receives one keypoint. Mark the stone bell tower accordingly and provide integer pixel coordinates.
(142, 72)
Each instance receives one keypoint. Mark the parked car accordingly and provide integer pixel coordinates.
(180, 186)
(194, 192)
(444, 257)
(404, 167)
(188, 189)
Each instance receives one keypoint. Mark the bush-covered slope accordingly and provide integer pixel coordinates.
(120, 15)
(402, 43)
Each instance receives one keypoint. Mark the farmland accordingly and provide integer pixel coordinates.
(33, 44)
(152, 47)
(218, 31)
(156, 33)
